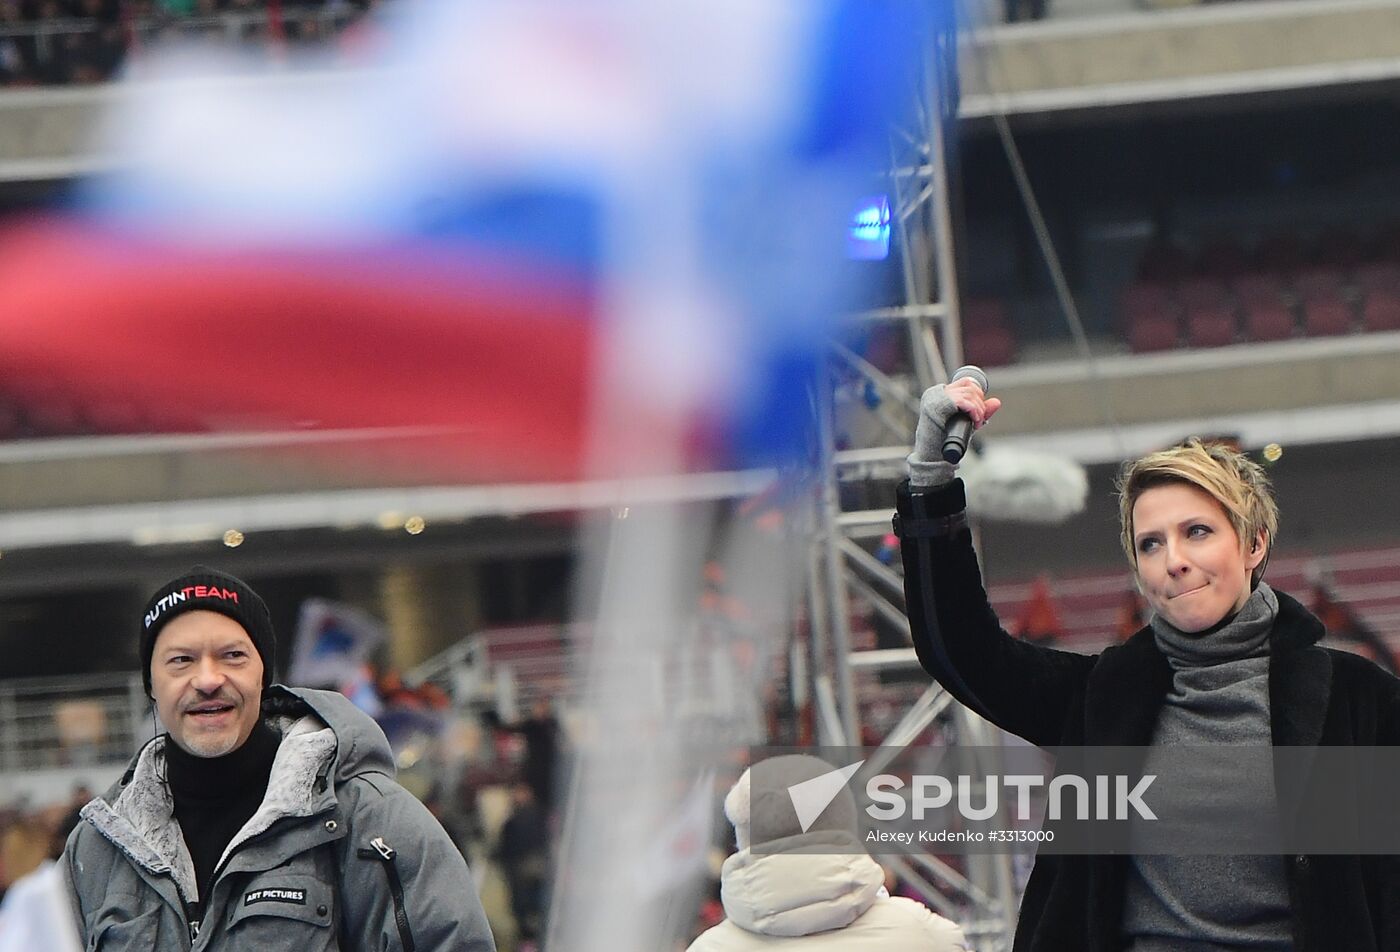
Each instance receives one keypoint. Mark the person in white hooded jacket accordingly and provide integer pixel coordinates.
(814, 890)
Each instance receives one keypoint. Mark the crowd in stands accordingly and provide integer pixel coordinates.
(55, 42)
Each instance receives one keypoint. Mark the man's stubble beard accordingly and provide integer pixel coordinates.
(209, 749)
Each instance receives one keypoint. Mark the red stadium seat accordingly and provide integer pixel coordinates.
(987, 336)
(989, 346)
(116, 415)
(1268, 321)
(1319, 283)
(1211, 327)
(985, 312)
(1324, 317)
(1258, 288)
(1202, 293)
(1379, 275)
(1381, 311)
(1144, 296)
(54, 415)
(1152, 331)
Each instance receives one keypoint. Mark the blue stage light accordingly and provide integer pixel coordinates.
(868, 238)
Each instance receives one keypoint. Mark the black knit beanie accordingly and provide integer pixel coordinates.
(204, 589)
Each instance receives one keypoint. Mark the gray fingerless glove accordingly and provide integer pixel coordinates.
(927, 468)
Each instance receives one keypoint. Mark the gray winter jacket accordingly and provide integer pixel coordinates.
(339, 857)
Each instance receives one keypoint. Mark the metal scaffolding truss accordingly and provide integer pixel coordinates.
(922, 184)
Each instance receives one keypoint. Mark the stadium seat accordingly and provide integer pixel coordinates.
(1145, 297)
(1258, 288)
(1202, 293)
(54, 417)
(985, 312)
(1381, 311)
(1211, 327)
(1318, 283)
(987, 336)
(1326, 316)
(1377, 276)
(49, 408)
(1265, 321)
(989, 346)
(116, 415)
(1152, 331)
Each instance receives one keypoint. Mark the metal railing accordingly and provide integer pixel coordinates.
(85, 720)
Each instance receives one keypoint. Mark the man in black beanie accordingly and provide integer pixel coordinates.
(217, 655)
(266, 817)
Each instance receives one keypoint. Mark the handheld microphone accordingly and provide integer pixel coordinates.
(960, 426)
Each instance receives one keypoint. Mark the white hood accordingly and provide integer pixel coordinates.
(795, 892)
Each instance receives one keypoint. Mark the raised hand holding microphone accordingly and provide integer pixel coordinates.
(960, 426)
(947, 415)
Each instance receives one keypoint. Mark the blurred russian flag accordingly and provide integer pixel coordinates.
(501, 203)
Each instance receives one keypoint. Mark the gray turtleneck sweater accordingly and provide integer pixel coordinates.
(1219, 695)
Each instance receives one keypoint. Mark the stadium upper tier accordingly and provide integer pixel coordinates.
(59, 42)
(1330, 339)
(1143, 60)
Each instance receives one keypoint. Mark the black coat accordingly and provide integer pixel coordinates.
(1317, 696)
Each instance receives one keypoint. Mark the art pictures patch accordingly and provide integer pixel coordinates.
(294, 896)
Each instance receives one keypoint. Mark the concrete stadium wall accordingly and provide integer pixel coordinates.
(1191, 51)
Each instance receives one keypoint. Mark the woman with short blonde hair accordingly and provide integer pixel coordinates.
(1232, 479)
(1223, 660)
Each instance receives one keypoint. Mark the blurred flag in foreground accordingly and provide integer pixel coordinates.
(443, 233)
(600, 239)
(681, 843)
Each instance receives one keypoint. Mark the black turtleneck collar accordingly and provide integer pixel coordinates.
(234, 776)
(215, 796)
